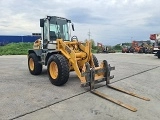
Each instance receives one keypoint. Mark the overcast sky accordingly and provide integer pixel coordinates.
(110, 21)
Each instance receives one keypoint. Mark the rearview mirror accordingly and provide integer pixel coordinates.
(41, 22)
(72, 26)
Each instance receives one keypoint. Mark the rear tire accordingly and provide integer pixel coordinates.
(34, 66)
(58, 69)
(158, 54)
(95, 60)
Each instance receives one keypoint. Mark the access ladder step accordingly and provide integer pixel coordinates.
(113, 100)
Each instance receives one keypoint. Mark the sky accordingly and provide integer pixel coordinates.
(110, 22)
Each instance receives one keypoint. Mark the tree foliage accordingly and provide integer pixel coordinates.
(93, 44)
(117, 47)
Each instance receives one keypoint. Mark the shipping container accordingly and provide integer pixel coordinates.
(5, 39)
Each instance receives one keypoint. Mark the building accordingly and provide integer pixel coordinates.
(5, 39)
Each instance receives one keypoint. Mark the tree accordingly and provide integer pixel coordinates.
(92, 43)
(117, 47)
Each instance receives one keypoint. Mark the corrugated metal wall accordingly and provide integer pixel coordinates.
(4, 39)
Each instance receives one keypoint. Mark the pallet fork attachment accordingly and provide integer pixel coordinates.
(90, 77)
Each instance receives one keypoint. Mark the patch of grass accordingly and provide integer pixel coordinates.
(15, 48)
(22, 49)
(118, 51)
(94, 51)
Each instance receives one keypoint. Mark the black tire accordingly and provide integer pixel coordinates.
(144, 50)
(158, 54)
(95, 60)
(36, 69)
(140, 51)
(62, 67)
(131, 50)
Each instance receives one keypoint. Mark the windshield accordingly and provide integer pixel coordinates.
(59, 28)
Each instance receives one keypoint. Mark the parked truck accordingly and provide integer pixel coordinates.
(156, 38)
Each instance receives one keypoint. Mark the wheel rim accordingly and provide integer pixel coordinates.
(31, 64)
(53, 69)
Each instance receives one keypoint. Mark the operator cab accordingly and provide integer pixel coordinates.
(53, 28)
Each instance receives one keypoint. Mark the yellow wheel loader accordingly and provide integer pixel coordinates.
(62, 53)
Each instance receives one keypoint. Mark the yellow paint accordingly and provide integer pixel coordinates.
(53, 70)
(37, 44)
(77, 54)
(31, 64)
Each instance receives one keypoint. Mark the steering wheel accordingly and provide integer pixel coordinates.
(74, 38)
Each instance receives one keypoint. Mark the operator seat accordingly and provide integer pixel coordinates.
(52, 43)
(52, 35)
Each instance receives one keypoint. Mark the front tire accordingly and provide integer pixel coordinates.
(34, 66)
(58, 69)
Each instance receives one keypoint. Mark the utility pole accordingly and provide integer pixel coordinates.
(89, 34)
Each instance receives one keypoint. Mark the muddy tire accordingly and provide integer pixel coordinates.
(58, 69)
(34, 66)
